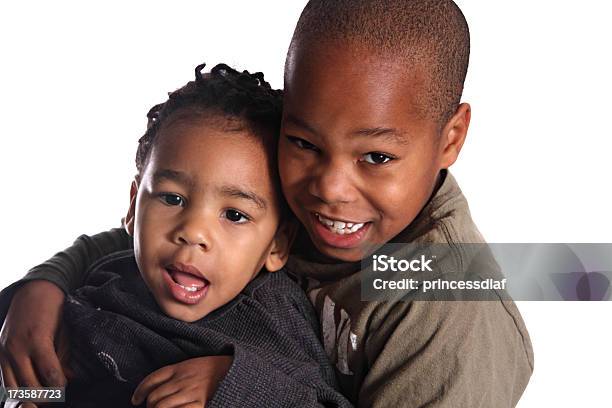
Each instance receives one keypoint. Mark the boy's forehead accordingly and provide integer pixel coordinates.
(352, 82)
(332, 55)
(194, 144)
(204, 156)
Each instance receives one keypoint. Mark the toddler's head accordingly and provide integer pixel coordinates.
(371, 116)
(205, 210)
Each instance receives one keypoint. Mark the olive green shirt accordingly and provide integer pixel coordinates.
(420, 353)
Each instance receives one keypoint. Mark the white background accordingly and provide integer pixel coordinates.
(77, 79)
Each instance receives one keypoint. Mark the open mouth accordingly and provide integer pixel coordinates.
(339, 233)
(186, 283)
(339, 227)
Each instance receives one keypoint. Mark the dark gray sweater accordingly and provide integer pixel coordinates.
(118, 335)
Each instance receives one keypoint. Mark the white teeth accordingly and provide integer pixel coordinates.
(340, 227)
(189, 288)
(356, 227)
(325, 221)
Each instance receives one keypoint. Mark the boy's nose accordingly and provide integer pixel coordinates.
(194, 230)
(333, 184)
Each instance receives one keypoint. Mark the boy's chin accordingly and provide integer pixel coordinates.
(182, 312)
(333, 254)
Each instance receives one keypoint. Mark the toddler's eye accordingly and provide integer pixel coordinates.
(236, 216)
(302, 144)
(172, 199)
(376, 158)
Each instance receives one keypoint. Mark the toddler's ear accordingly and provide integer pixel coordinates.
(128, 221)
(279, 253)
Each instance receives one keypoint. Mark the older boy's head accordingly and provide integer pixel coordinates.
(371, 115)
(428, 34)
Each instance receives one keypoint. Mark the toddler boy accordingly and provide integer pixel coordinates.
(206, 217)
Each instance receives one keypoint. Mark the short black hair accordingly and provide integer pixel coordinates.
(431, 33)
(241, 96)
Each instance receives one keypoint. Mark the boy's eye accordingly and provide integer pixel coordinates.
(376, 158)
(172, 199)
(236, 216)
(302, 144)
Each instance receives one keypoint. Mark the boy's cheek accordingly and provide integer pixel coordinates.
(151, 220)
(293, 168)
(295, 179)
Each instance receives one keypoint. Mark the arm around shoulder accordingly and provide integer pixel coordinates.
(31, 312)
(67, 268)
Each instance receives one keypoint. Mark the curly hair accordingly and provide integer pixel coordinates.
(224, 91)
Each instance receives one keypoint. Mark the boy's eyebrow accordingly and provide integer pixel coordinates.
(173, 175)
(391, 134)
(294, 120)
(385, 133)
(239, 192)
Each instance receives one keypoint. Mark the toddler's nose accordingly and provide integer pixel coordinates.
(194, 230)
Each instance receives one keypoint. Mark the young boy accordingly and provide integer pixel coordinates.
(372, 119)
(206, 217)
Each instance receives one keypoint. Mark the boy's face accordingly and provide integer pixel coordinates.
(205, 217)
(357, 159)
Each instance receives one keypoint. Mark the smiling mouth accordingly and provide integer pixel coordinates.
(340, 227)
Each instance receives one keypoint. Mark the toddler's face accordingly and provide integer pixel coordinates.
(206, 216)
(357, 159)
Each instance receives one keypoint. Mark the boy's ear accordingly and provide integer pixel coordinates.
(279, 253)
(128, 221)
(454, 133)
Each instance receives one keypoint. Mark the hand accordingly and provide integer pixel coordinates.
(187, 384)
(27, 353)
